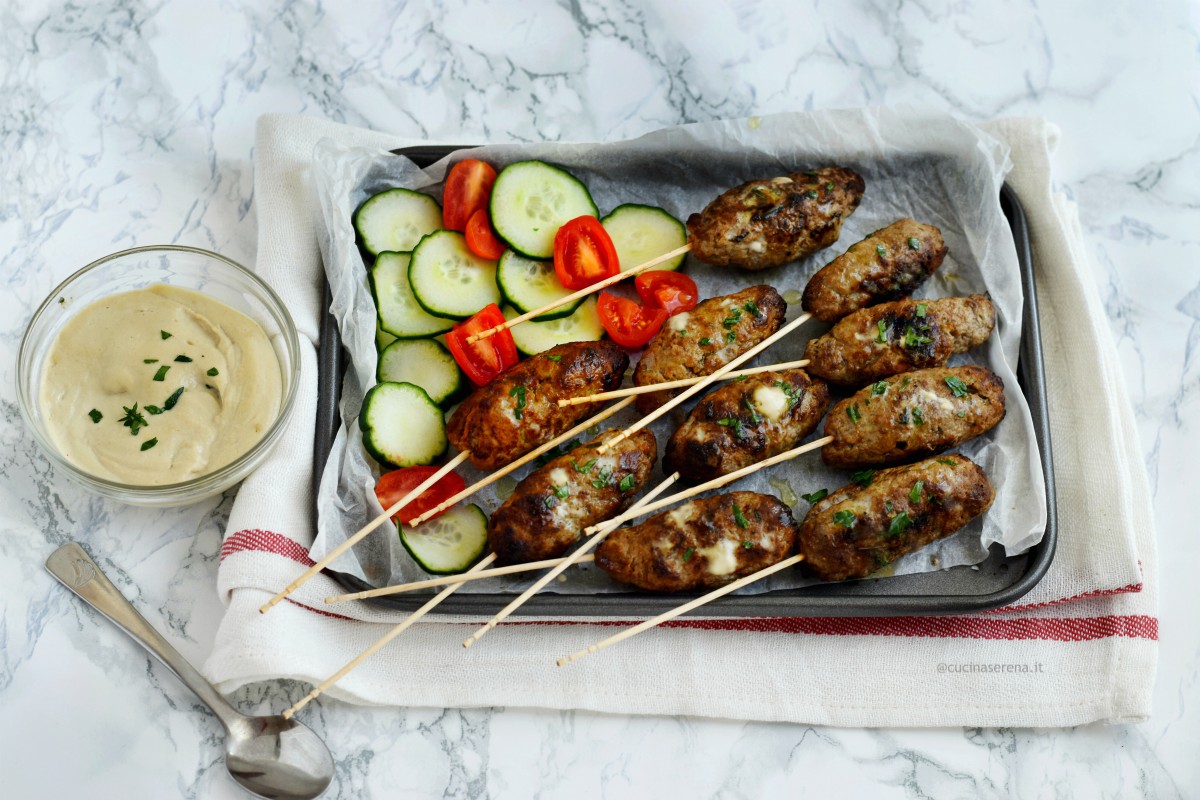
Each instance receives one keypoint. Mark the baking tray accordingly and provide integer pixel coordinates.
(997, 581)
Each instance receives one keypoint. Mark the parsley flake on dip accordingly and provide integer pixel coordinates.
(159, 385)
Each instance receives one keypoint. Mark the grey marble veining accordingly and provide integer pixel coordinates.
(132, 123)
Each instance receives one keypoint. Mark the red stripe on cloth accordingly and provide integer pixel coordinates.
(265, 542)
(1133, 587)
(1068, 629)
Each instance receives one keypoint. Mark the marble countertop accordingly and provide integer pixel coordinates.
(132, 123)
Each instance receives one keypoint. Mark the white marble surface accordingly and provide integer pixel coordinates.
(132, 123)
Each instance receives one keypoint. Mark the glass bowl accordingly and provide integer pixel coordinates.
(188, 268)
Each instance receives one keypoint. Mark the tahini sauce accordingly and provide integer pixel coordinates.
(101, 360)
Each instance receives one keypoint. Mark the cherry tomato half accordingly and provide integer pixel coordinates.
(481, 240)
(629, 324)
(394, 485)
(468, 187)
(487, 358)
(667, 290)
(584, 254)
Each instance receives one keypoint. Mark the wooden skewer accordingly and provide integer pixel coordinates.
(679, 384)
(522, 461)
(566, 562)
(392, 634)
(683, 609)
(700, 385)
(595, 287)
(650, 508)
(445, 580)
(370, 526)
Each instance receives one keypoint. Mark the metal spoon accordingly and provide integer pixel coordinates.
(270, 757)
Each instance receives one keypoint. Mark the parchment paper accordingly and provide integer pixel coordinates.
(927, 166)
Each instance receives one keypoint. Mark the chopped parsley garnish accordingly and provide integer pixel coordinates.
(845, 518)
(95, 415)
(183, 359)
(852, 413)
(792, 393)
(133, 419)
(155, 410)
(146, 445)
(747, 544)
(921, 309)
(170, 402)
(903, 418)
(161, 375)
(905, 382)
(947, 461)
(811, 194)
(550, 502)
(627, 483)
(586, 468)
(739, 429)
(212, 372)
(915, 495)
(687, 554)
(829, 187)
(165, 335)
(562, 491)
(878, 388)
(753, 309)
(733, 319)
(555, 359)
(918, 416)
(882, 336)
(739, 517)
(914, 243)
(519, 393)
(914, 339)
(705, 342)
(880, 250)
(957, 386)
(754, 415)
(899, 524)
(603, 478)
(812, 498)
(880, 560)
(887, 506)
(149, 360)
(730, 337)
(864, 477)
(961, 414)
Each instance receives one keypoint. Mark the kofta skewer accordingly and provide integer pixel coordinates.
(943, 494)
(632, 391)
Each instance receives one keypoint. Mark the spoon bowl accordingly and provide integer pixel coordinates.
(271, 757)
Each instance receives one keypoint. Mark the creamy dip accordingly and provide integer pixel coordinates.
(204, 377)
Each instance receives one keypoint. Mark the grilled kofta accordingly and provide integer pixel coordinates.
(702, 544)
(859, 529)
(518, 410)
(744, 422)
(896, 337)
(548, 510)
(701, 341)
(913, 415)
(770, 222)
(889, 264)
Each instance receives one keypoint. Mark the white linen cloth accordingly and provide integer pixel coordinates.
(1081, 646)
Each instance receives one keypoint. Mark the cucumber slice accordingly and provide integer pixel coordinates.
(401, 426)
(425, 363)
(382, 337)
(527, 284)
(448, 280)
(396, 220)
(533, 337)
(399, 312)
(641, 233)
(531, 200)
(449, 543)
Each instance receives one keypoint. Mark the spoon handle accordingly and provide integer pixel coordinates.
(75, 569)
